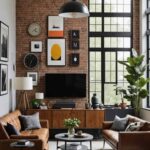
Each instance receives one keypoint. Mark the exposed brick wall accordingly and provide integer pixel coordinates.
(38, 11)
(29, 11)
(136, 25)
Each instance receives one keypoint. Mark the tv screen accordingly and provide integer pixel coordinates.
(65, 85)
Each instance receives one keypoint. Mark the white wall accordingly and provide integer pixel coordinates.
(8, 16)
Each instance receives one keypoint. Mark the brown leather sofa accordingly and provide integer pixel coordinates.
(131, 140)
(38, 136)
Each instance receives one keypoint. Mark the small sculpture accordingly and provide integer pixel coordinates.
(94, 101)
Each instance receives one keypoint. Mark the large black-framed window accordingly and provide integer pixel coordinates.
(148, 47)
(110, 40)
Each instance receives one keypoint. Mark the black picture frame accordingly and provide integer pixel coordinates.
(3, 79)
(4, 41)
(74, 59)
(75, 45)
(75, 34)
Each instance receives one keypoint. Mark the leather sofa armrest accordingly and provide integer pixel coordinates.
(23, 137)
(136, 140)
(5, 144)
(44, 123)
(107, 124)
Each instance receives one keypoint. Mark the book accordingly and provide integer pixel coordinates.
(23, 142)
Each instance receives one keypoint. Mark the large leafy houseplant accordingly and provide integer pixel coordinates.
(136, 89)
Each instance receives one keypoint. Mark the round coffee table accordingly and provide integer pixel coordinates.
(85, 137)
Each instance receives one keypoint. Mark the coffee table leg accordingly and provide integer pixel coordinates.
(90, 145)
(65, 145)
(57, 144)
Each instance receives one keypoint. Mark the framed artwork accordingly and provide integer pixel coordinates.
(74, 59)
(36, 46)
(34, 76)
(3, 79)
(56, 52)
(4, 40)
(75, 44)
(55, 26)
(74, 34)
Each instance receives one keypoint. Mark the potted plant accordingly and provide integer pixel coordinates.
(71, 123)
(120, 91)
(136, 89)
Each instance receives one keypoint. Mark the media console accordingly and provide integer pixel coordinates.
(89, 118)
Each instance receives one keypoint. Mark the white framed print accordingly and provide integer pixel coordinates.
(34, 76)
(56, 52)
(36, 46)
(55, 26)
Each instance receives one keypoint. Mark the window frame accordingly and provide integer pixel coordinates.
(104, 34)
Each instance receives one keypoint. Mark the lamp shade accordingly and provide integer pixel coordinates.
(74, 9)
(39, 95)
(23, 83)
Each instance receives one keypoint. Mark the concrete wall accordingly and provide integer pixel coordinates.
(8, 16)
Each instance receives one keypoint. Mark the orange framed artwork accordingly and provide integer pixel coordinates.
(55, 26)
(56, 52)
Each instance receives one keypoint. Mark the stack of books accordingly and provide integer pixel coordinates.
(23, 142)
(74, 146)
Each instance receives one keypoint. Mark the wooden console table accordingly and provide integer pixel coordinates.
(89, 118)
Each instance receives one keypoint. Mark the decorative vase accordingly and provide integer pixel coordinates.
(94, 100)
(71, 132)
(123, 105)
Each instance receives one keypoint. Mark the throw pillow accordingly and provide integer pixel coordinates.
(119, 124)
(11, 130)
(30, 121)
(145, 127)
(134, 126)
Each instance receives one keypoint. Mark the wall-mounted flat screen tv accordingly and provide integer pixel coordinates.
(65, 85)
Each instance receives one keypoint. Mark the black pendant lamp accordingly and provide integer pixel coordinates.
(74, 9)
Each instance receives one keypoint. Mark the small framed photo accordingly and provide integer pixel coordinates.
(75, 44)
(36, 46)
(34, 76)
(74, 34)
(4, 40)
(3, 79)
(74, 59)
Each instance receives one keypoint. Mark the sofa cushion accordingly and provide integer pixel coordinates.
(30, 121)
(145, 127)
(134, 126)
(119, 124)
(112, 136)
(11, 130)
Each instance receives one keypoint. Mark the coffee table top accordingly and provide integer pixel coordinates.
(85, 137)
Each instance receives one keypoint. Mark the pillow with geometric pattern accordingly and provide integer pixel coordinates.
(134, 126)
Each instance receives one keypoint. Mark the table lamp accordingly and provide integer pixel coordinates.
(23, 84)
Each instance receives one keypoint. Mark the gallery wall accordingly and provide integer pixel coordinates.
(38, 11)
(8, 16)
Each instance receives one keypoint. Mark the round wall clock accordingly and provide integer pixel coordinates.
(30, 61)
(34, 29)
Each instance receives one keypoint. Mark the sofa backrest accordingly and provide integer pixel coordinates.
(135, 119)
(12, 118)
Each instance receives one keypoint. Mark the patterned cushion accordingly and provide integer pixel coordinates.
(119, 124)
(135, 126)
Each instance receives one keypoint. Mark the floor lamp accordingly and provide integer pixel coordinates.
(23, 84)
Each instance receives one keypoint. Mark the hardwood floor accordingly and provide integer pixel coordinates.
(96, 145)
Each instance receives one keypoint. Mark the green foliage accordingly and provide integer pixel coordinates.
(71, 122)
(136, 90)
